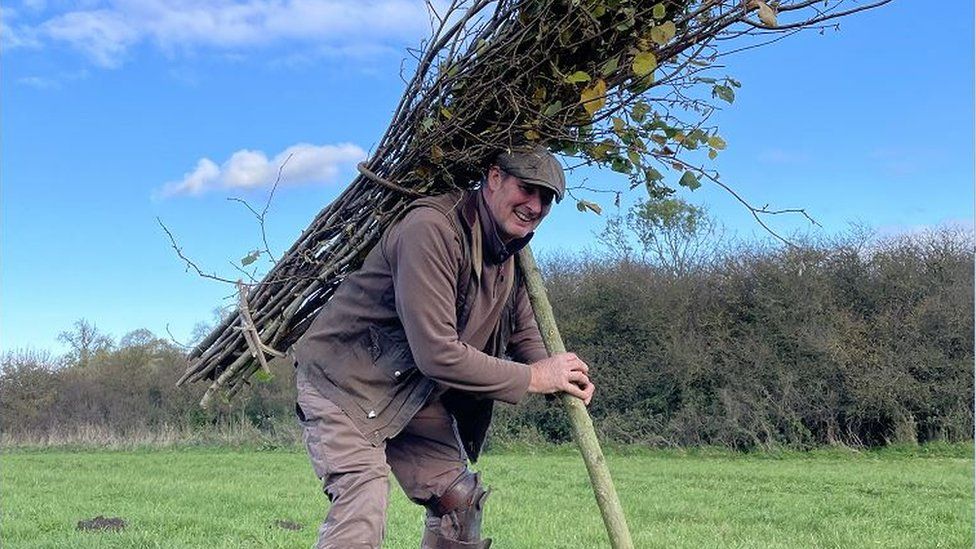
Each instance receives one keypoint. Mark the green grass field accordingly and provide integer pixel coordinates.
(219, 497)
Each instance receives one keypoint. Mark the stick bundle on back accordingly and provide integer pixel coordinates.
(611, 82)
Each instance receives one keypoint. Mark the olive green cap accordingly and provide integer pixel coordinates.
(536, 166)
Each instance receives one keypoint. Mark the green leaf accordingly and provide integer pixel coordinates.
(552, 108)
(641, 85)
(634, 157)
(689, 180)
(610, 66)
(659, 11)
(583, 205)
(427, 123)
(716, 142)
(652, 175)
(644, 63)
(724, 93)
(712, 153)
(619, 164)
(618, 125)
(577, 77)
(263, 376)
(600, 150)
(639, 111)
(250, 258)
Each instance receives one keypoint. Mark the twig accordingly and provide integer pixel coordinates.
(189, 262)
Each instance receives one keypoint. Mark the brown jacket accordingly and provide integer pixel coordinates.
(426, 312)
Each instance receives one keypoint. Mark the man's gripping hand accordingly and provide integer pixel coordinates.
(562, 373)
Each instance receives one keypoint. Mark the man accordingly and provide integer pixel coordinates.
(400, 369)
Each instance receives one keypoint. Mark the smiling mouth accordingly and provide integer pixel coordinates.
(524, 217)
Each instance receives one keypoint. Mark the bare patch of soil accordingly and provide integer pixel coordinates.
(287, 525)
(113, 524)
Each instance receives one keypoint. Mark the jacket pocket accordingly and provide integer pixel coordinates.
(390, 351)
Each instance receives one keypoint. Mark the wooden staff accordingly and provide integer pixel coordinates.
(582, 425)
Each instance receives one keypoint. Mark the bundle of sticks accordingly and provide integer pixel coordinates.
(618, 83)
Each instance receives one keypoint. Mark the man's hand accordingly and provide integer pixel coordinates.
(562, 373)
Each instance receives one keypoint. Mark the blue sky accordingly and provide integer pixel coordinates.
(114, 113)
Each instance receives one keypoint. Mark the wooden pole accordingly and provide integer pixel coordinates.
(582, 425)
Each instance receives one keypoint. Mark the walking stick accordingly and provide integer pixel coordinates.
(582, 425)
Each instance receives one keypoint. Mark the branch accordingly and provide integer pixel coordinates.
(189, 263)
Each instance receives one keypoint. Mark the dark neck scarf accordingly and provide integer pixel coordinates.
(494, 248)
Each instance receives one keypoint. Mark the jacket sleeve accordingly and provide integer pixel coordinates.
(525, 344)
(424, 254)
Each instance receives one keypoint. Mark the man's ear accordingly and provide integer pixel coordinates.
(494, 180)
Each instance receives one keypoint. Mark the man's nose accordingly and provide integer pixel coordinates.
(535, 201)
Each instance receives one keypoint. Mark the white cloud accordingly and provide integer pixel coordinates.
(103, 35)
(107, 31)
(247, 169)
(39, 82)
(52, 82)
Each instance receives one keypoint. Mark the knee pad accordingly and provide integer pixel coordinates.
(464, 494)
(456, 514)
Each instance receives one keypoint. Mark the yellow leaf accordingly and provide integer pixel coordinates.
(446, 113)
(663, 33)
(583, 205)
(766, 14)
(531, 135)
(644, 63)
(436, 154)
(594, 96)
(716, 142)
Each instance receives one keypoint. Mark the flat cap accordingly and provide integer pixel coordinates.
(536, 166)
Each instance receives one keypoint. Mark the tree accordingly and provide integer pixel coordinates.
(85, 342)
(670, 232)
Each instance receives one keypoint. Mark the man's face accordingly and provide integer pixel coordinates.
(517, 207)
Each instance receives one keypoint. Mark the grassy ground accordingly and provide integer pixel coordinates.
(213, 497)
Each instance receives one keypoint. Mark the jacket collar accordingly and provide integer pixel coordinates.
(494, 248)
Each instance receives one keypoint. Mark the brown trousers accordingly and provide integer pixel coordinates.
(426, 458)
